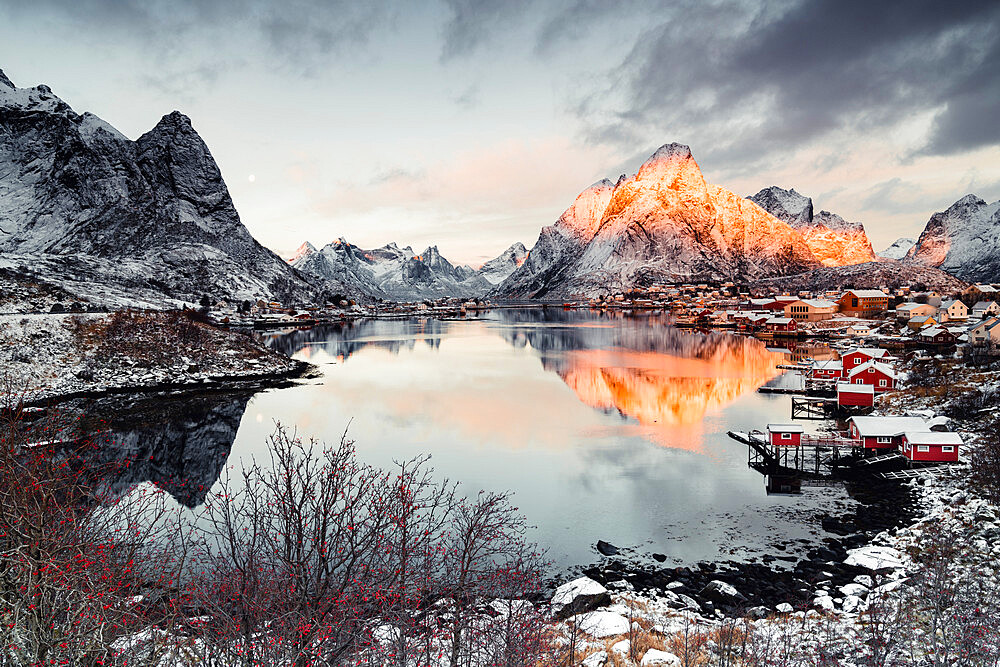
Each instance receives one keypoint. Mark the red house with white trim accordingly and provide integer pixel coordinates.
(879, 375)
(855, 395)
(884, 432)
(861, 355)
(829, 369)
(781, 324)
(784, 435)
(931, 446)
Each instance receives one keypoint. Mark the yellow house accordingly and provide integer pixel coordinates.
(920, 321)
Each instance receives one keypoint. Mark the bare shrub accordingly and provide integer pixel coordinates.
(72, 562)
(317, 557)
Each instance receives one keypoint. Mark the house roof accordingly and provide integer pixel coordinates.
(933, 438)
(910, 305)
(889, 426)
(868, 293)
(983, 305)
(779, 320)
(819, 303)
(873, 352)
(848, 388)
(829, 364)
(987, 289)
(948, 304)
(883, 368)
(785, 428)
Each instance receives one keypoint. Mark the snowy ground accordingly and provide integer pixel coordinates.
(44, 356)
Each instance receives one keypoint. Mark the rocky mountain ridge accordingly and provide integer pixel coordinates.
(144, 222)
(665, 222)
(395, 273)
(962, 240)
(898, 249)
(831, 239)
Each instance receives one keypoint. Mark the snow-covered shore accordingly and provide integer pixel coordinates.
(922, 590)
(52, 356)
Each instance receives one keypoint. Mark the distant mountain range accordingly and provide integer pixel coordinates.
(395, 273)
(87, 212)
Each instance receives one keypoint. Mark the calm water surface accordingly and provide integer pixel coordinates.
(605, 426)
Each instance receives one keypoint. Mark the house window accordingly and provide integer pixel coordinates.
(881, 383)
(871, 370)
(859, 381)
(883, 439)
(923, 448)
(786, 436)
(947, 448)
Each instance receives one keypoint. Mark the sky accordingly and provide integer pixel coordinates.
(470, 124)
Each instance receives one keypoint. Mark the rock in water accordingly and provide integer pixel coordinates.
(606, 548)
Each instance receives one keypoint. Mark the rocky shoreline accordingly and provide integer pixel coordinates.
(757, 581)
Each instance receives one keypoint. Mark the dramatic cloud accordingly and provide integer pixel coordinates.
(299, 35)
(754, 76)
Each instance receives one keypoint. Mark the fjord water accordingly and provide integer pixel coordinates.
(604, 426)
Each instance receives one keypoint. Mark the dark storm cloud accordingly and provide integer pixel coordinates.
(471, 23)
(782, 75)
(299, 34)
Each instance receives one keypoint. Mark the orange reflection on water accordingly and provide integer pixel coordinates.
(669, 395)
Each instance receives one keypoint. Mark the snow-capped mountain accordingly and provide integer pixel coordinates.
(831, 239)
(665, 222)
(500, 267)
(962, 240)
(898, 249)
(389, 272)
(118, 221)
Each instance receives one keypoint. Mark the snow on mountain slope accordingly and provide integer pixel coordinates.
(831, 239)
(390, 272)
(87, 209)
(962, 240)
(898, 249)
(665, 222)
(499, 268)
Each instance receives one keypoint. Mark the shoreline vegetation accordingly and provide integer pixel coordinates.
(56, 357)
(919, 588)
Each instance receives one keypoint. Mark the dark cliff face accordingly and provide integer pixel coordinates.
(73, 185)
(962, 241)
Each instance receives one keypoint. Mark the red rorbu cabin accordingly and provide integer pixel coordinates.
(784, 435)
(828, 369)
(780, 324)
(879, 375)
(861, 355)
(884, 432)
(931, 446)
(855, 395)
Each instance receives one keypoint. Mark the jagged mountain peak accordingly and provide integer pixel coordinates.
(961, 240)
(4, 81)
(898, 249)
(830, 238)
(303, 250)
(671, 151)
(113, 220)
(671, 166)
(787, 205)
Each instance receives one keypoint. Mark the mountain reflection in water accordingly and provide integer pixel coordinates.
(665, 379)
(179, 444)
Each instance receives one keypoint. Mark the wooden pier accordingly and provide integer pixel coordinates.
(816, 456)
(820, 407)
